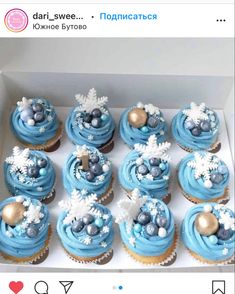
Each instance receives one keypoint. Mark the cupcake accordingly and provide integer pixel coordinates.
(85, 229)
(139, 122)
(90, 171)
(147, 168)
(35, 124)
(24, 230)
(196, 127)
(203, 177)
(208, 232)
(91, 122)
(147, 229)
(30, 173)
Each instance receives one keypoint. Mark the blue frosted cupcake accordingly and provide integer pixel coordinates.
(196, 127)
(90, 171)
(208, 232)
(147, 168)
(91, 123)
(139, 122)
(147, 229)
(203, 177)
(85, 229)
(35, 124)
(24, 230)
(30, 173)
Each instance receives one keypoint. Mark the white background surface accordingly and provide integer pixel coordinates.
(179, 205)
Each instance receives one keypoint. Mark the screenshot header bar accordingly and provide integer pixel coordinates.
(116, 20)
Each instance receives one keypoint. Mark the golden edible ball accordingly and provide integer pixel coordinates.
(137, 117)
(13, 213)
(206, 223)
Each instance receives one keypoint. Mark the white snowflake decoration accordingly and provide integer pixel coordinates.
(151, 109)
(76, 206)
(132, 241)
(91, 101)
(149, 177)
(90, 137)
(130, 208)
(87, 240)
(33, 214)
(24, 103)
(49, 118)
(152, 149)
(103, 244)
(9, 234)
(140, 177)
(101, 178)
(203, 165)
(226, 220)
(105, 230)
(225, 251)
(196, 113)
(81, 150)
(42, 130)
(19, 160)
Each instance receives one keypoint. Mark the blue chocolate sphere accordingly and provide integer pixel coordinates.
(77, 226)
(142, 169)
(151, 229)
(143, 218)
(26, 114)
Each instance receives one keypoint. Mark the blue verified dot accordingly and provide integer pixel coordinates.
(120, 287)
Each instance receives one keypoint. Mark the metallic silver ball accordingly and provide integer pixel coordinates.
(143, 218)
(151, 229)
(88, 219)
(32, 231)
(92, 230)
(77, 225)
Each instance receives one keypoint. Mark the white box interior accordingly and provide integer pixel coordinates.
(167, 72)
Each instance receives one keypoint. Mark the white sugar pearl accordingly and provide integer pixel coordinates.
(140, 105)
(139, 161)
(162, 232)
(105, 168)
(20, 199)
(207, 208)
(30, 122)
(208, 184)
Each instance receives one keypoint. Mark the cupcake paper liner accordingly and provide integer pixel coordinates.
(207, 261)
(162, 260)
(35, 258)
(50, 197)
(49, 144)
(221, 200)
(108, 147)
(86, 260)
(108, 196)
(213, 149)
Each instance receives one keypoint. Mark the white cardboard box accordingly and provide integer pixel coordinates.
(129, 71)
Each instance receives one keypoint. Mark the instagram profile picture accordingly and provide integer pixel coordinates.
(16, 20)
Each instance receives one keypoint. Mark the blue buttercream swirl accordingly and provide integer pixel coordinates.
(74, 178)
(35, 188)
(19, 244)
(195, 187)
(74, 242)
(183, 136)
(79, 134)
(127, 175)
(41, 132)
(144, 244)
(131, 135)
(202, 245)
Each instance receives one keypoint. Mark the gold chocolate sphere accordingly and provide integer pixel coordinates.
(137, 117)
(206, 223)
(13, 213)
